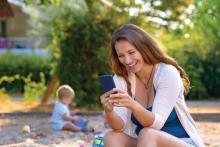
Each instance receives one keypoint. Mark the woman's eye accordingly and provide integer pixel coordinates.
(120, 56)
(131, 52)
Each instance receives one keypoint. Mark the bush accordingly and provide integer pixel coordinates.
(82, 59)
(195, 71)
(211, 77)
(22, 65)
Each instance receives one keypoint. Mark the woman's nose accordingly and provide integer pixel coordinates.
(127, 60)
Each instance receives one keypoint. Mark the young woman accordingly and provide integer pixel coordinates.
(148, 107)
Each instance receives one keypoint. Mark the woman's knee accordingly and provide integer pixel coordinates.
(147, 138)
(110, 136)
(118, 139)
(149, 133)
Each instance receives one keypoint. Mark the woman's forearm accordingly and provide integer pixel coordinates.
(145, 117)
(115, 122)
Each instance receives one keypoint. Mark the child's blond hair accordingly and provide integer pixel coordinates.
(65, 91)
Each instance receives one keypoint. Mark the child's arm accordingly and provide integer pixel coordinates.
(74, 111)
(69, 118)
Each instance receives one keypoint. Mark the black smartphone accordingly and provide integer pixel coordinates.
(107, 82)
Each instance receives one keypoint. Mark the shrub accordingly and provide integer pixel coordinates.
(22, 65)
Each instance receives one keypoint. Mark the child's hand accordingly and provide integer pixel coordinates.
(74, 119)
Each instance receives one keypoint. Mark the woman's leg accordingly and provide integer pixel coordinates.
(149, 137)
(119, 139)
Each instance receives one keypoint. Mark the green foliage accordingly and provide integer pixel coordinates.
(34, 90)
(211, 77)
(195, 71)
(204, 37)
(12, 67)
(4, 94)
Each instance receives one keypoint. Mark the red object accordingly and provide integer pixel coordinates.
(5, 9)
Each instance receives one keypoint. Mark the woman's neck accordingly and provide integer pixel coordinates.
(145, 72)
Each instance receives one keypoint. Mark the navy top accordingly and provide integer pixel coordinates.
(171, 126)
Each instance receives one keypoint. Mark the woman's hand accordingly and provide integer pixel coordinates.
(122, 99)
(105, 101)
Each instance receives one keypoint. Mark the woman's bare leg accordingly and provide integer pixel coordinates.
(119, 139)
(149, 137)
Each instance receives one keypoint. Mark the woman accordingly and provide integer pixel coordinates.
(148, 107)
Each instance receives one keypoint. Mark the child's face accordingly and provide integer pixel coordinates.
(67, 100)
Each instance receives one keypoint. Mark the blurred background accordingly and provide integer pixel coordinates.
(44, 43)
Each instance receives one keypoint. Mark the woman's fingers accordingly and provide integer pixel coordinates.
(119, 95)
(107, 104)
(107, 94)
(120, 102)
(119, 90)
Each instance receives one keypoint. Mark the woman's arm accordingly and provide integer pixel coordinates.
(115, 121)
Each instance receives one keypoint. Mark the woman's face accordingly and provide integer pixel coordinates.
(129, 56)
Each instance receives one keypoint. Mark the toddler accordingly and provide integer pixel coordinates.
(61, 117)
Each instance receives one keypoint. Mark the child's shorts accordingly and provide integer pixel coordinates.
(82, 122)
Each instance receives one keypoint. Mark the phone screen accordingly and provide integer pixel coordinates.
(107, 82)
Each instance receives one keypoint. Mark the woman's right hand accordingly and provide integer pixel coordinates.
(108, 106)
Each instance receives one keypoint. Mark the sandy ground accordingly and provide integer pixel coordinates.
(206, 114)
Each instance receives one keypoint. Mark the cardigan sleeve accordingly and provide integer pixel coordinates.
(168, 88)
(122, 112)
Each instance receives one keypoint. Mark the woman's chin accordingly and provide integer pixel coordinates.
(133, 70)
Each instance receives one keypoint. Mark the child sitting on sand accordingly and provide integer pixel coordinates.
(61, 117)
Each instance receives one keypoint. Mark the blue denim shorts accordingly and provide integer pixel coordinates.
(188, 141)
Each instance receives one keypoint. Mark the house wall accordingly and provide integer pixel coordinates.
(17, 26)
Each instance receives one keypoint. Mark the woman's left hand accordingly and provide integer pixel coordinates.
(122, 99)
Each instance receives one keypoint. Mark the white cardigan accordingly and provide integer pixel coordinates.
(169, 94)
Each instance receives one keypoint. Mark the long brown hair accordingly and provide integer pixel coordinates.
(148, 48)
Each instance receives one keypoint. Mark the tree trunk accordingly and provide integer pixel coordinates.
(50, 89)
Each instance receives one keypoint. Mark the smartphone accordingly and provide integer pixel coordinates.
(107, 82)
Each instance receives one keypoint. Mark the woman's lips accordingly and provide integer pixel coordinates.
(132, 66)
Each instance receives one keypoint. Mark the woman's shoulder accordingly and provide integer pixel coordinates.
(119, 81)
(165, 71)
(167, 68)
